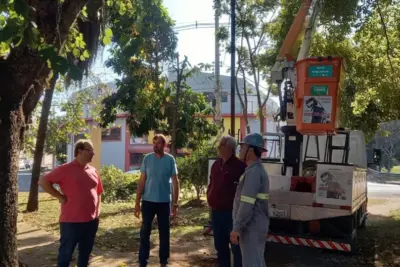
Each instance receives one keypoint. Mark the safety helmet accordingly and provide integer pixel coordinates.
(254, 139)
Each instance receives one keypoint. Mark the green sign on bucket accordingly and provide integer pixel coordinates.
(319, 90)
(320, 71)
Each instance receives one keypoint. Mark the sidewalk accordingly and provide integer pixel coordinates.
(38, 248)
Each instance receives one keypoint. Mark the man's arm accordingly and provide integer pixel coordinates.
(99, 192)
(140, 188)
(248, 198)
(175, 182)
(49, 188)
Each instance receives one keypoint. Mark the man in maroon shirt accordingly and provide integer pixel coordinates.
(225, 175)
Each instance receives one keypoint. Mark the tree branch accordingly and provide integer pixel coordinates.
(388, 45)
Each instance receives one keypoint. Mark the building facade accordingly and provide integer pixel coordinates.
(125, 151)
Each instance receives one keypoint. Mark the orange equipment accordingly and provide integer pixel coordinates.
(319, 82)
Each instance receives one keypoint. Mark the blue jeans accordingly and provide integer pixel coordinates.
(72, 234)
(222, 224)
(149, 211)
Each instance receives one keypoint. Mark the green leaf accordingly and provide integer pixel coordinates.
(21, 8)
(82, 58)
(86, 54)
(122, 9)
(106, 40)
(60, 65)
(76, 52)
(84, 13)
(108, 33)
(48, 52)
(75, 73)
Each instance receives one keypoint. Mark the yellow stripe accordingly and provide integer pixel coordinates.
(247, 199)
(262, 196)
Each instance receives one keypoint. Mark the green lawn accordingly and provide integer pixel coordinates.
(396, 169)
(118, 228)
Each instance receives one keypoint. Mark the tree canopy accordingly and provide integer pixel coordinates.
(143, 49)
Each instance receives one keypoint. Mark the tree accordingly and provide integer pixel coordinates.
(387, 139)
(144, 43)
(34, 37)
(33, 200)
(58, 129)
(252, 20)
(193, 169)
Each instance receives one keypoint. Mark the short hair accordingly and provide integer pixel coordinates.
(160, 136)
(257, 151)
(81, 144)
(230, 141)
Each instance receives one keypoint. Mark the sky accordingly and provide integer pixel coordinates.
(197, 44)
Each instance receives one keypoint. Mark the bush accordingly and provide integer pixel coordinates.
(193, 169)
(118, 186)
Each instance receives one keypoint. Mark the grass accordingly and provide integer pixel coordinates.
(118, 229)
(396, 169)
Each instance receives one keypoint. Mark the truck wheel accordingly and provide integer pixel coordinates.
(354, 245)
(363, 224)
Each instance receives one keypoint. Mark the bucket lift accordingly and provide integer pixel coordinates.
(309, 90)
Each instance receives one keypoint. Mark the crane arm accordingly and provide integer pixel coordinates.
(295, 34)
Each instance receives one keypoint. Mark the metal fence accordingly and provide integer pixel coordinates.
(382, 177)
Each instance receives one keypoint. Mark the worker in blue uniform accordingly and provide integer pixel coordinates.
(250, 208)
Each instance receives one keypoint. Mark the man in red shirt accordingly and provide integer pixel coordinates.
(224, 178)
(80, 199)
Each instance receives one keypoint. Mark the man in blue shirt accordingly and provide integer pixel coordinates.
(154, 190)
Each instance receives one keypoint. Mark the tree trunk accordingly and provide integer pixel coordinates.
(262, 121)
(33, 201)
(11, 123)
(174, 133)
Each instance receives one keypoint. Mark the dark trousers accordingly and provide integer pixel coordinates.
(222, 224)
(72, 234)
(149, 210)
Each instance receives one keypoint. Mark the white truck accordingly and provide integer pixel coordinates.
(325, 207)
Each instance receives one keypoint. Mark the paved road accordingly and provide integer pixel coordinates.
(376, 190)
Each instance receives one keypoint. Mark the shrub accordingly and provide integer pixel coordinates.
(193, 169)
(117, 184)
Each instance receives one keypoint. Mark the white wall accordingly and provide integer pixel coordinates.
(112, 152)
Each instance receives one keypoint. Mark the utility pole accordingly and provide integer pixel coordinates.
(233, 73)
(175, 112)
(217, 68)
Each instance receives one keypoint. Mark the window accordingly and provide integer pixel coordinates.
(136, 158)
(111, 134)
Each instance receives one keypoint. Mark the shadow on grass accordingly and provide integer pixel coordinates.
(123, 239)
(119, 212)
(378, 245)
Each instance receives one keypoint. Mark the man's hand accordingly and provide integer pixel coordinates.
(62, 199)
(174, 210)
(137, 211)
(235, 238)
